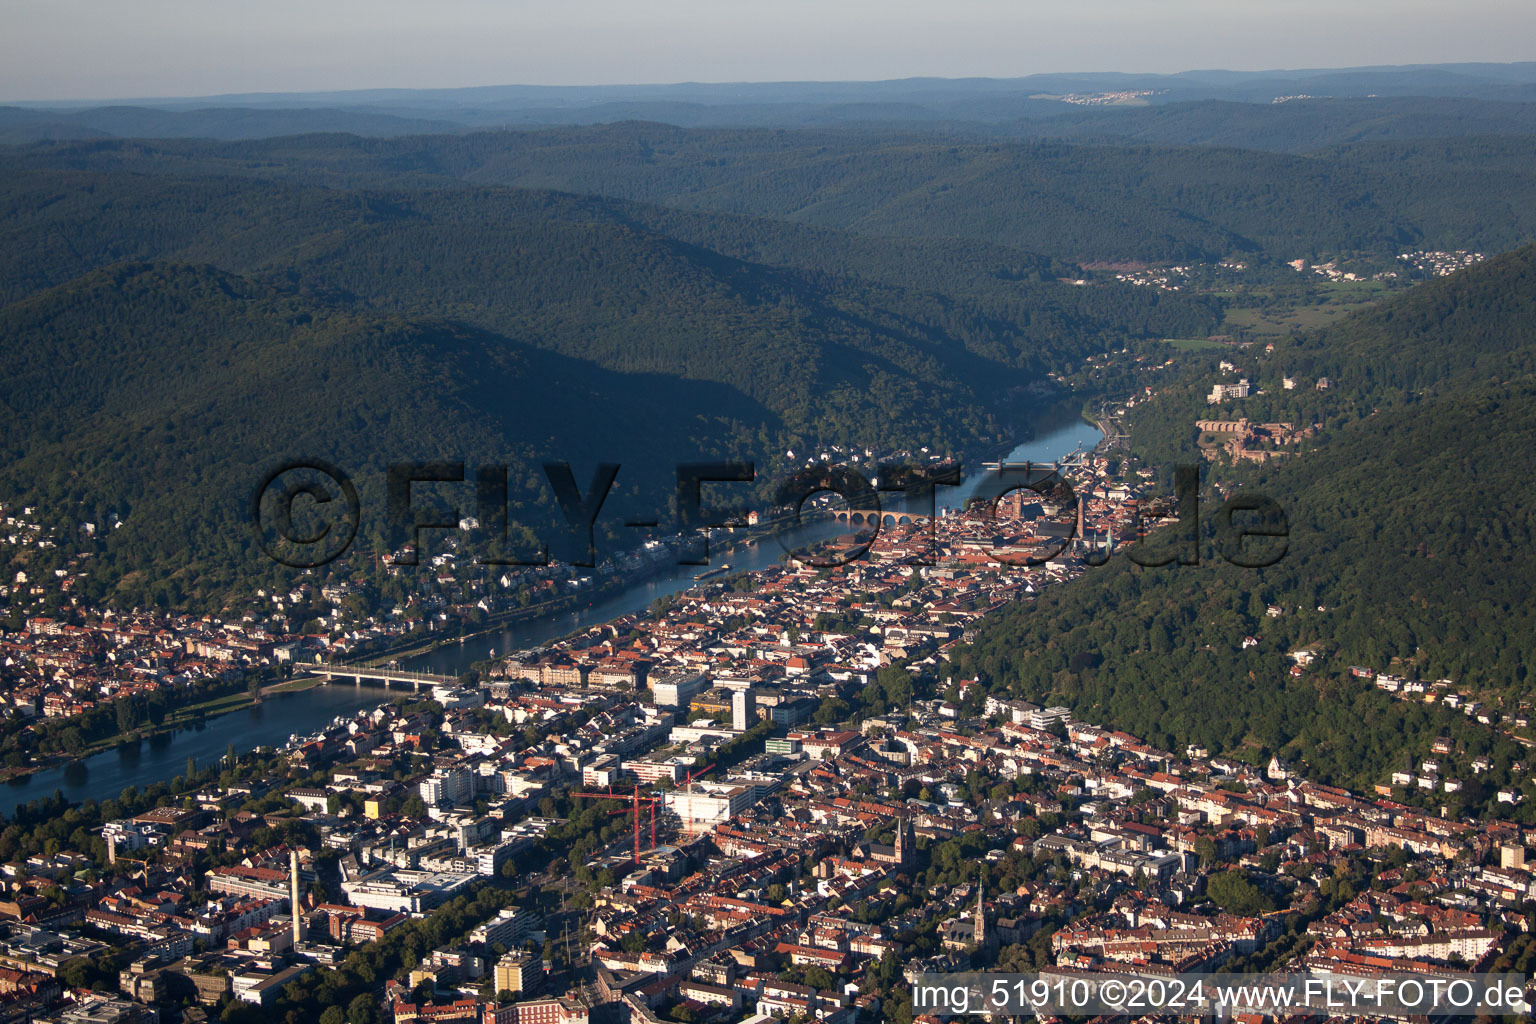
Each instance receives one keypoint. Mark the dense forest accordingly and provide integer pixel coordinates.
(191, 310)
(169, 338)
(1297, 126)
(1198, 107)
(1064, 200)
(1410, 531)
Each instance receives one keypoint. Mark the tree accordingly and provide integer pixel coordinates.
(238, 1012)
(72, 741)
(333, 1015)
(1232, 892)
(819, 978)
(362, 1010)
(77, 973)
(1206, 849)
(127, 715)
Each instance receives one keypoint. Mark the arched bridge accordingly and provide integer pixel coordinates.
(873, 517)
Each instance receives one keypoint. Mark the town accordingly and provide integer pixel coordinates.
(769, 797)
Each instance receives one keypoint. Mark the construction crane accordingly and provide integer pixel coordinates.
(636, 800)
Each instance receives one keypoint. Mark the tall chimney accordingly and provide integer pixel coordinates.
(293, 871)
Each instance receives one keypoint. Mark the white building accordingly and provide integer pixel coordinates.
(743, 709)
(448, 787)
(1222, 392)
(703, 805)
(676, 689)
(1044, 718)
(406, 892)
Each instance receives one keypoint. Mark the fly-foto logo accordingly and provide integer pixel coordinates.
(307, 512)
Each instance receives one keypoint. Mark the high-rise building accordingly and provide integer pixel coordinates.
(517, 973)
(509, 927)
(448, 787)
(743, 709)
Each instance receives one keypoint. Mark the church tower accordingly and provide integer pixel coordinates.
(981, 913)
(905, 852)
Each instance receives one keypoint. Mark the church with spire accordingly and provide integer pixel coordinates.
(984, 939)
(961, 933)
(979, 916)
(903, 854)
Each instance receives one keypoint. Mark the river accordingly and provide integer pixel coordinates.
(1057, 432)
(164, 757)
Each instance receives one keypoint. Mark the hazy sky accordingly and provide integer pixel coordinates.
(73, 49)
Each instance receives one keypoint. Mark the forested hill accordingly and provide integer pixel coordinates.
(1297, 126)
(1082, 203)
(1412, 523)
(1234, 108)
(780, 290)
(820, 337)
(509, 258)
(160, 393)
(370, 332)
(693, 334)
(1438, 340)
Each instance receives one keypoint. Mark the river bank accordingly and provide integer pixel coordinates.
(1066, 430)
(305, 705)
